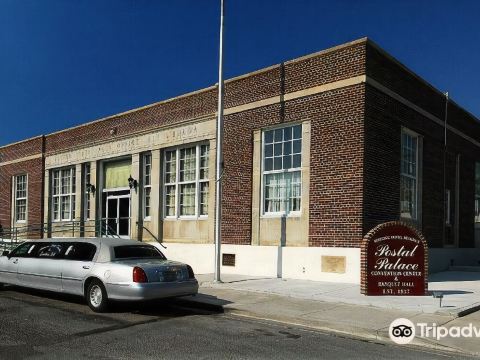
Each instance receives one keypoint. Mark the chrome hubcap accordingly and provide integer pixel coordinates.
(96, 295)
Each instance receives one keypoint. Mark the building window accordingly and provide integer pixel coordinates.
(282, 162)
(448, 220)
(147, 184)
(477, 192)
(186, 184)
(409, 175)
(86, 181)
(63, 194)
(20, 198)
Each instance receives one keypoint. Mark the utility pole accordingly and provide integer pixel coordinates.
(219, 158)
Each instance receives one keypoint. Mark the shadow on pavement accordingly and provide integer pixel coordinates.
(170, 307)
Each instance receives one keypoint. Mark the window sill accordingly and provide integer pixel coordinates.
(279, 215)
(201, 218)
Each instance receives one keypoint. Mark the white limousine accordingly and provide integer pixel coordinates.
(99, 269)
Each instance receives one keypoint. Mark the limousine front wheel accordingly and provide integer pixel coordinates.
(97, 298)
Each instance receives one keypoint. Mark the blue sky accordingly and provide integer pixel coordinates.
(66, 62)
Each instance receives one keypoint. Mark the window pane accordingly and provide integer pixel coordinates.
(147, 169)
(56, 208)
(477, 192)
(72, 216)
(297, 132)
(297, 146)
(408, 176)
(278, 135)
(277, 163)
(204, 149)
(170, 167)
(268, 150)
(147, 202)
(268, 137)
(296, 191)
(187, 164)
(278, 149)
(268, 164)
(65, 204)
(271, 193)
(287, 133)
(56, 182)
(73, 183)
(187, 199)
(297, 161)
(65, 181)
(408, 197)
(21, 207)
(204, 198)
(170, 200)
(287, 162)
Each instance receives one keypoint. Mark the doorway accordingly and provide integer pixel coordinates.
(118, 215)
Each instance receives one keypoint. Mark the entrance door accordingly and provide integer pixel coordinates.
(118, 215)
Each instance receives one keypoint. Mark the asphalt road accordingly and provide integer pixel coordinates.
(49, 326)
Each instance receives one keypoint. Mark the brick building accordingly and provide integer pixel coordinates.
(317, 151)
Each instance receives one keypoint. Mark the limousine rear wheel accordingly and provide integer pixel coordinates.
(97, 297)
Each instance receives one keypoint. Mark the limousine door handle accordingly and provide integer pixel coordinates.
(15, 261)
(86, 267)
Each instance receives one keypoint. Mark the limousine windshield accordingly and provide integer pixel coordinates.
(136, 252)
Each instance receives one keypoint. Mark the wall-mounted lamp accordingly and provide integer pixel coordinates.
(90, 188)
(132, 183)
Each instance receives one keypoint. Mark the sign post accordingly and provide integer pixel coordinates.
(394, 261)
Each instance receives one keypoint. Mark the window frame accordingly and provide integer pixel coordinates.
(476, 218)
(71, 195)
(263, 172)
(16, 199)
(146, 186)
(177, 183)
(417, 178)
(87, 177)
(448, 215)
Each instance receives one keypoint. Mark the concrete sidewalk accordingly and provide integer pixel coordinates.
(461, 291)
(341, 309)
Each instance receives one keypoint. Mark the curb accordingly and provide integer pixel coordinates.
(356, 333)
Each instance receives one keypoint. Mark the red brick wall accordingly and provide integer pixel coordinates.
(22, 149)
(336, 118)
(34, 169)
(336, 168)
(384, 118)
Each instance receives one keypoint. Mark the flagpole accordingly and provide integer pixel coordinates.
(219, 158)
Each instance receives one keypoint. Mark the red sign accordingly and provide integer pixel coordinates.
(394, 261)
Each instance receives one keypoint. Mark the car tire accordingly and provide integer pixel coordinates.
(96, 296)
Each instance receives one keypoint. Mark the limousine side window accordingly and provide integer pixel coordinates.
(80, 252)
(50, 251)
(24, 250)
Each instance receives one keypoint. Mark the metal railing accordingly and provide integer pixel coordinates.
(151, 234)
(11, 237)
